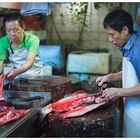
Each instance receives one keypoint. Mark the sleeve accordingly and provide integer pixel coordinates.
(34, 44)
(136, 61)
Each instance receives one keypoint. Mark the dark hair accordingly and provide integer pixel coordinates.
(14, 16)
(117, 19)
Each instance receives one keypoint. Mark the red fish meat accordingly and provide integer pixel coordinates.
(80, 110)
(64, 103)
(8, 113)
(12, 115)
(75, 104)
(2, 78)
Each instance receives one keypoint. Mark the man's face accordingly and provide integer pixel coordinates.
(14, 31)
(118, 39)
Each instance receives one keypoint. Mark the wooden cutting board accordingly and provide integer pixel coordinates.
(103, 122)
(57, 85)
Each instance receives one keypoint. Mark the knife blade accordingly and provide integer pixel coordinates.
(90, 87)
(105, 85)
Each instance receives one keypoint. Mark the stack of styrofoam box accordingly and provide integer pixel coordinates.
(81, 65)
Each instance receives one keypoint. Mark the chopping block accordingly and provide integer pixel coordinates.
(57, 85)
(103, 122)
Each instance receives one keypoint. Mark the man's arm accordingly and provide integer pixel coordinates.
(133, 91)
(111, 93)
(30, 60)
(1, 66)
(109, 78)
(115, 76)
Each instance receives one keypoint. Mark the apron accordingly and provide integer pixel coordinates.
(131, 126)
(19, 57)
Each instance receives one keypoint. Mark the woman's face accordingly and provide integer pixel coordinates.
(14, 31)
(118, 39)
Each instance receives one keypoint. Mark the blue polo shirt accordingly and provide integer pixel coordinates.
(131, 50)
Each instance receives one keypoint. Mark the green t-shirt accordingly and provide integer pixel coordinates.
(30, 42)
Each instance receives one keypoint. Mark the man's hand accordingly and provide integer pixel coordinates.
(12, 74)
(101, 80)
(111, 93)
(109, 78)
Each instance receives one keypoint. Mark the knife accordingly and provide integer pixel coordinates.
(31, 98)
(90, 86)
(104, 85)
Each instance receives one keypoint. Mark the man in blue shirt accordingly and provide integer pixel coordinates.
(119, 26)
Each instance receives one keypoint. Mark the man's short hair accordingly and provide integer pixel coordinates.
(14, 16)
(117, 19)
